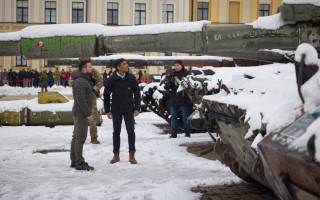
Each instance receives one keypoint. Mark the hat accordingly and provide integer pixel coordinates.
(178, 62)
(118, 62)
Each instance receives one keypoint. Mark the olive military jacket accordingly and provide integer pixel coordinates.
(82, 94)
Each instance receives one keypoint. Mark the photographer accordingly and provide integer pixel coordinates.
(178, 100)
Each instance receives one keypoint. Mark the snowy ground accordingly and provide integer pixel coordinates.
(165, 170)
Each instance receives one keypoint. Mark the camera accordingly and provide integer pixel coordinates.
(168, 82)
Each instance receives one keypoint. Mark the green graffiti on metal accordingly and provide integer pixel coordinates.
(54, 44)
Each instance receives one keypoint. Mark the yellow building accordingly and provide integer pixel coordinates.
(231, 11)
(18, 14)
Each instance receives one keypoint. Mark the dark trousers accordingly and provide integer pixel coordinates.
(79, 136)
(129, 121)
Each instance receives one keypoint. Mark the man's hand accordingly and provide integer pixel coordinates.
(135, 113)
(90, 117)
(109, 114)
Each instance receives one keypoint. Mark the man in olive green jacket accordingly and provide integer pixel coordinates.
(44, 79)
(81, 111)
(97, 83)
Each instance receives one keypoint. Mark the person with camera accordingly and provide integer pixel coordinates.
(178, 100)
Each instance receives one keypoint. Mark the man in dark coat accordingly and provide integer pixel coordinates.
(81, 111)
(125, 104)
(178, 100)
(140, 75)
(28, 77)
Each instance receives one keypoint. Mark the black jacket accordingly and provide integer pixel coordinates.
(125, 94)
(180, 98)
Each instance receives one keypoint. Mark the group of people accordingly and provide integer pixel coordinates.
(22, 78)
(142, 76)
(121, 101)
(32, 78)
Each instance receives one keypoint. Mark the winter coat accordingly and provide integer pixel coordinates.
(44, 80)
(5, 76)
(125, 94)
(82, 95)
(28, 75)
(56, 75)
(50, 75)
(180, 98)
(140, 75)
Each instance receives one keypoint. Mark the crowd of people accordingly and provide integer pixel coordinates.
(32, 77)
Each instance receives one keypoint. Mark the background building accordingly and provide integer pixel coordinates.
(18, 14)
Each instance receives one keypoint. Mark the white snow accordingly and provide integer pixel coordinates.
(310, 90)
(271, 22)
(82, 29)
(272, 89)
(311, 54)
(314, 2)
(146, 58)
(9, 91)
(165, 170)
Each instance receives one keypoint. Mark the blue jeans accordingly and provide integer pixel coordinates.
(174, 119)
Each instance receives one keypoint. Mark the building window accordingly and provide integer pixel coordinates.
(140, 53)
(22, 11)
(168, 54)
(264, 10)
(140, 14)
(20, 61)
(203, 10)
(169, 13)
(77, 12)
(112, 14)
(50, 12)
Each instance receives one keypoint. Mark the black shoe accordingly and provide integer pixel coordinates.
(73, 165)
(84, 166)
(188, 135)
(173, 136)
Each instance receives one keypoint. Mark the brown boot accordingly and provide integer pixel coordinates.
(116, 158)
(94, 140)
(132, 160)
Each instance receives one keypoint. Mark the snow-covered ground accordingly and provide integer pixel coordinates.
(7, 90)
(165, 170)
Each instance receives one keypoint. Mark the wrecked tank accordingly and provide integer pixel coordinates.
(255, 153)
